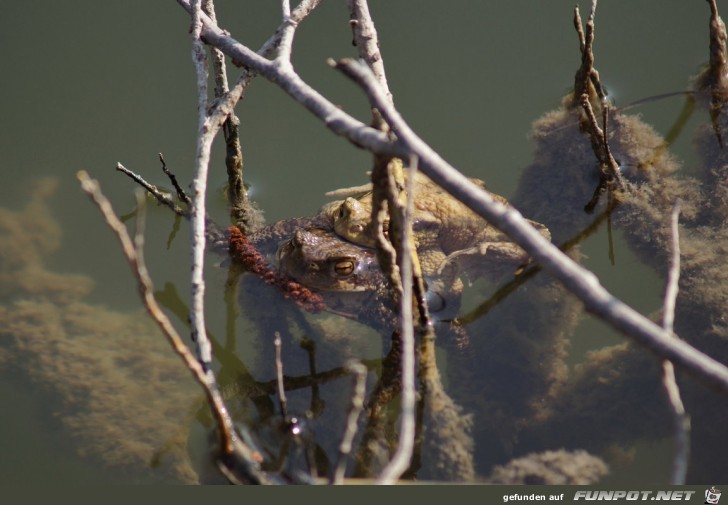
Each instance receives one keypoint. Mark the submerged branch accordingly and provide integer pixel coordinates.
(681, 419)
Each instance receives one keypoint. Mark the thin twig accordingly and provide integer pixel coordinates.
(216, 239)
(587, 74)
(600, 144)
(162, 197)
(681, 418)
(350, 191)
(357, 404)
(229, 441)
(384, 196)
(420, 289)
(236, 193)
(173, 179)
(218, 59)
(578, 25)
(279, 374)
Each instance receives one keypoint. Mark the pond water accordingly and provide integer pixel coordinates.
(470, 78)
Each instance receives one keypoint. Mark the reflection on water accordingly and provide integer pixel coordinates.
(112, 391)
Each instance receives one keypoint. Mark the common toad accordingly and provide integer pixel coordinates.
(445, 231)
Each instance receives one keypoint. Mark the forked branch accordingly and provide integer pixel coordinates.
(575, 278)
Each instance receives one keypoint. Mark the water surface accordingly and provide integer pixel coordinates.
(119, 86)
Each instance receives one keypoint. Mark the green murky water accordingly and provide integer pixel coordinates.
(119, 86)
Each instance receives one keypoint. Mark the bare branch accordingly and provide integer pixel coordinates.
(420, 290)
(334, 118)
(575, 278)
(199, 191)
(681, 419)
(229, 441)
(289, 29)
(173, 179)
(608, 165)
(236, 194)
(161, 196)
(218, 59)
(366, 40)
(401, 459)
(224, 105)
(586, 79)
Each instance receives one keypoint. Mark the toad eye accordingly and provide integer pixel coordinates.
(344, 268)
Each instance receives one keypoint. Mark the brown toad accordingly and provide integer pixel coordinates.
(445, 231)
(348, 277)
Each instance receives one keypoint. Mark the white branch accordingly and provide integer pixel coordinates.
(402, 457)
(333, 117)
(367, 41)
(289, 29)
(199, 190)
(225, 104)
(681, 419)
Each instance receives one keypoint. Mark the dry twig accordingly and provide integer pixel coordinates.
(161, 196)
(173, 179)
(231, 446)
(237, 196)
(680, 416)
(367, 41)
